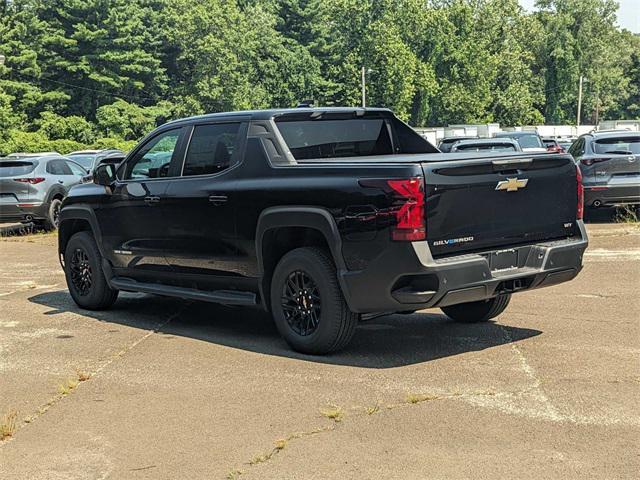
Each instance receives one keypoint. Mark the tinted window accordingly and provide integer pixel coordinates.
(12, 169)
(577, 149)
(621, 145)
(353, 137)
(211, 148)
(58, 167)
(154, 158)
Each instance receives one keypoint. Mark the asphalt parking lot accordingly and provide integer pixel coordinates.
(160, 388)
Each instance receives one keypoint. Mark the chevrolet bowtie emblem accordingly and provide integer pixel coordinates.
(512, 184)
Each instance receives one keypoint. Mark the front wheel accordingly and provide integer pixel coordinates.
(85, 278)
(481, 311)
(307, 303)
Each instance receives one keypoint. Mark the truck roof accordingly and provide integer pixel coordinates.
(275, 112)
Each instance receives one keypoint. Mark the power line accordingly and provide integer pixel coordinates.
(79, 87)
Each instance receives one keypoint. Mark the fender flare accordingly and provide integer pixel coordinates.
(300, 216)
(53, 191)
(315, 218)
(80, 212)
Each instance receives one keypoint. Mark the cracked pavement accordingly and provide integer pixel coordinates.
(191, 390)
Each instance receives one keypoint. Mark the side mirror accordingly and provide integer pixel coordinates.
(104, 174)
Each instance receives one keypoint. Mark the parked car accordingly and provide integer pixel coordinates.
(528, 141)
(32, 188)
(321, 216)
(610, 166)
(90, 159)
(114, 157)
(31, 155)
(445, 144)
(486, 145)
(553, 145)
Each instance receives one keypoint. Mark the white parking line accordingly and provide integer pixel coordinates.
(602, 255)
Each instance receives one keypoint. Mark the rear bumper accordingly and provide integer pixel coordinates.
(406, 277)
(610, 195)
(21, 212)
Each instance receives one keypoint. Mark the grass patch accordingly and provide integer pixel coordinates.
(234, 474)
(420, 397)
(82, 375)
(626, 214)
(372, 409)
(280, 444)
(67, 387)
(8, 425)
(260, 458)
(333, 412)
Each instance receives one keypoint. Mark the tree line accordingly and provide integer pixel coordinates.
(105, 72)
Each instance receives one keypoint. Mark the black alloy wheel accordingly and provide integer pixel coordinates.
(301, 303)
(81, 273)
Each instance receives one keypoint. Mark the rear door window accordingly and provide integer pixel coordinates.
(211, 149)
(577, 149)
(58, 167)
(13, 169)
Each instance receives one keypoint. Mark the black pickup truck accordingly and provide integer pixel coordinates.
(323, 217)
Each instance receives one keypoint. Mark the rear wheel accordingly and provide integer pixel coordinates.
(307, 303)
(85, 278)
(481, 311)
(53, 215)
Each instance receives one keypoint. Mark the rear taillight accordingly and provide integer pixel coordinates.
(32, 181)
(590, 161)
(580, 190)
(410, 221)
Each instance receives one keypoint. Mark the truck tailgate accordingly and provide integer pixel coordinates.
(475, 205)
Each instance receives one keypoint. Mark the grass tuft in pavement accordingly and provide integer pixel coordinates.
(333, 412)
(420, 397)
(8, 425)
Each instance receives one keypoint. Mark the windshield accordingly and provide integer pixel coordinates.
(85, 160)
(493, 147)
(621, 145)
(13, 169)
(530, 141)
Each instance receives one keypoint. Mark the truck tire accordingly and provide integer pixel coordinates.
(85, 278)
(307, 304)
(51, 221)
(481, 311)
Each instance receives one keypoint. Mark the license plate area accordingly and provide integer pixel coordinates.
(502, 260)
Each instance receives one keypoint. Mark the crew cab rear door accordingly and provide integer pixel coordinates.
(488, 202)
(202, 205)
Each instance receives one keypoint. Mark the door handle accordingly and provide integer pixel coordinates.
(151, 200)
(218, 200)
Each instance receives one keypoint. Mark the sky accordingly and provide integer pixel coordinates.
(628, 13)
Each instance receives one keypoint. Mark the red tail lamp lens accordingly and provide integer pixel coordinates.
(410, 221)
(32, 181)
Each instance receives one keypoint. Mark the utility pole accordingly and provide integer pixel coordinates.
(364, 87)
(579, 101)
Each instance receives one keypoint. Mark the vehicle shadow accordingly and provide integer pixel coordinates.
(385, 342)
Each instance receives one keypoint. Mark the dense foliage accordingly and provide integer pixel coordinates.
(106, 71)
